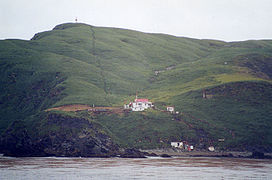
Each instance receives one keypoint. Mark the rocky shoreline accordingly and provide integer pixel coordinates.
(164, 153)
(203, 153)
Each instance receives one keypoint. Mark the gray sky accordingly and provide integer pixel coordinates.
(229, 20)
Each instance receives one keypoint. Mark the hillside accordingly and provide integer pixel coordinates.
(95, 66)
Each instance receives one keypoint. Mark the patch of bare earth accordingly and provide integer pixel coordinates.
(73, 107)
(82, 107)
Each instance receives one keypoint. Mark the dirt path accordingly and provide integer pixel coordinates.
(82, 107)
(99, 65)
(74, 107)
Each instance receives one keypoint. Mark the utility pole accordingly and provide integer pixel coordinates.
(204, 94)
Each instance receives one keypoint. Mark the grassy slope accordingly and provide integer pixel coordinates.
(77, 63)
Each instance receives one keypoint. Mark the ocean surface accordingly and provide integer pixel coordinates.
(149, 168)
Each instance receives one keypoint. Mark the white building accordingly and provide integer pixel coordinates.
(211, 148)
(171, 109)
(177, 144)
(139, 105)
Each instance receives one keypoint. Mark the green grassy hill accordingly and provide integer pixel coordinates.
(81, 64)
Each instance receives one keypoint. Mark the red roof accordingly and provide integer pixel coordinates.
(141, 100)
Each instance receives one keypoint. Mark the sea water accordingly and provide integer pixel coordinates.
(148, 168)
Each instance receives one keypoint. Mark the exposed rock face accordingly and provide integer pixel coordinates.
(133, 153)
(165, 156)
(257, 155)
(16, 141)
(58, 136)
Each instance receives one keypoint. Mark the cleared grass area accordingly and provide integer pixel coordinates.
(226, 78)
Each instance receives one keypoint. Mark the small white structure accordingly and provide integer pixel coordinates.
(177, 144)
(139, 105)
(211, 148)
(171, 109)
(126, 106)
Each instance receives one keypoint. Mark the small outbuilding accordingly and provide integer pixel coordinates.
(211, 148)
(171, 109)
(177, 144)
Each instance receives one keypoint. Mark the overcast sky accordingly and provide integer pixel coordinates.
(228, 20)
